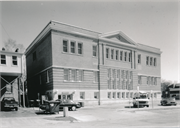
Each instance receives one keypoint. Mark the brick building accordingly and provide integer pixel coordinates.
(66, 61)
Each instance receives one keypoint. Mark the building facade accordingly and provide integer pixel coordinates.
(66, 61)
(11, 73)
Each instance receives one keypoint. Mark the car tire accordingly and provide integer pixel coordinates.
(16, 109)
(73, 108)
(147, 105)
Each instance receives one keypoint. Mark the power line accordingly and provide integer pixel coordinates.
(5, 30)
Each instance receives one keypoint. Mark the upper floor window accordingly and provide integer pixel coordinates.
(79, 48)
(154, 61)
(65, 46)
(112, 53)
(139, 79)
(72, 47)
(107, 52)
(151, 61)
(34, 56)
(121, 55)
(117, 52)
(125, 56)
(94, 50)
(14, 60)
(147, 60)
(66, 74)
(80, 75)
(139, 59)
(73, 75)
(129, 57)
(3, 59)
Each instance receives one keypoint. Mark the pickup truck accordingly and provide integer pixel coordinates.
(9, 103)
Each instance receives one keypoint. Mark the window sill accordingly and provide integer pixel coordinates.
(72, 81)
(76, 54)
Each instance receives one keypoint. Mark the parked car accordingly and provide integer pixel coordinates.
(68, 103)
(168, 101)
(9, 103)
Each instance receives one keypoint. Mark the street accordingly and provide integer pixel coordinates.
(98, 116)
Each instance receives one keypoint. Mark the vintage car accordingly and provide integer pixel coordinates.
(9, 103)
(68, 103)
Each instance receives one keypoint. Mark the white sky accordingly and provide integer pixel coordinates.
(149, 22)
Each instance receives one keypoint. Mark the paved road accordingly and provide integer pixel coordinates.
(98, 116)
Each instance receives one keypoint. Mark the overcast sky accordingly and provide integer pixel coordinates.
(149, 22)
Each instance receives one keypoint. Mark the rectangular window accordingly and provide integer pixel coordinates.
(155, 81)
(139, 59)
(95, 76)
(65, 46)
(82, 95)
(109, 95)
(118, 73)
(125, 56)
(109, 84)
(3, 59)
(131, 95)
(96, 95)
(94, 50)
(112, 53)
(114, 84)
(154, 61)
(118, 95)
(148, 80)
(127, 84)
(73, 75)
(107, 52)
(121, 55)
(129, 57)
(47, 77)
(14, 60)
(114, 95)
(34, 56)
(139, 79)
(79, 48)
(72, 47)
(151, 61)
(114, 73)
(123, 94)
(127, 75)
(122, 74)
(147, 60)
(66, 74)
(127, 94)
(152, 80)
(117, 52)
(109, 73)
(131, 75)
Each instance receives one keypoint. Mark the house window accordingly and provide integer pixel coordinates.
(66, 74)
(95, 76)
(125, 56)
(127, 84)
(154, 61)
(117, 52)
(73, 75)
(65, 46)
(139, 59)
(114, 84)
(118, 95)
(127, 94)
(34, 56)
(151, 61)
(122, 74)
(107, 52)
(147, 60)
(127, 75)
(94, 50)
(114, 73)
(79, 48)
(109, 73)
(148, 80)
(131, 75)
(131, 95)
(109, 95)
(82, 95)
(118, 73)
(72, 47)
(155, 81)
(129, 57)
(47, 76)
(121, 55)
(14, 60)
(112, 53)
(109, 84)
(152, 80)
(123, 94)
(114, 95)
(3, 59)
(139, 79)
(96, 95)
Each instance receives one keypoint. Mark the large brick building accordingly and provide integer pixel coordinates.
(66, 61)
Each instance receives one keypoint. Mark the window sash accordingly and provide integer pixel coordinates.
(117, 52)
(125, 56)
(3, 59)
(73, 75)
(65, 46)
(66, 74)
(121, 55)
(79, 48)
(72, 47)
(107, 52)
(14, 60)
(139, 59)
(154, 61)
(147, 60)
(112, 53)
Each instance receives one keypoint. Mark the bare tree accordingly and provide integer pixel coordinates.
(165, 84)
(12, 46)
